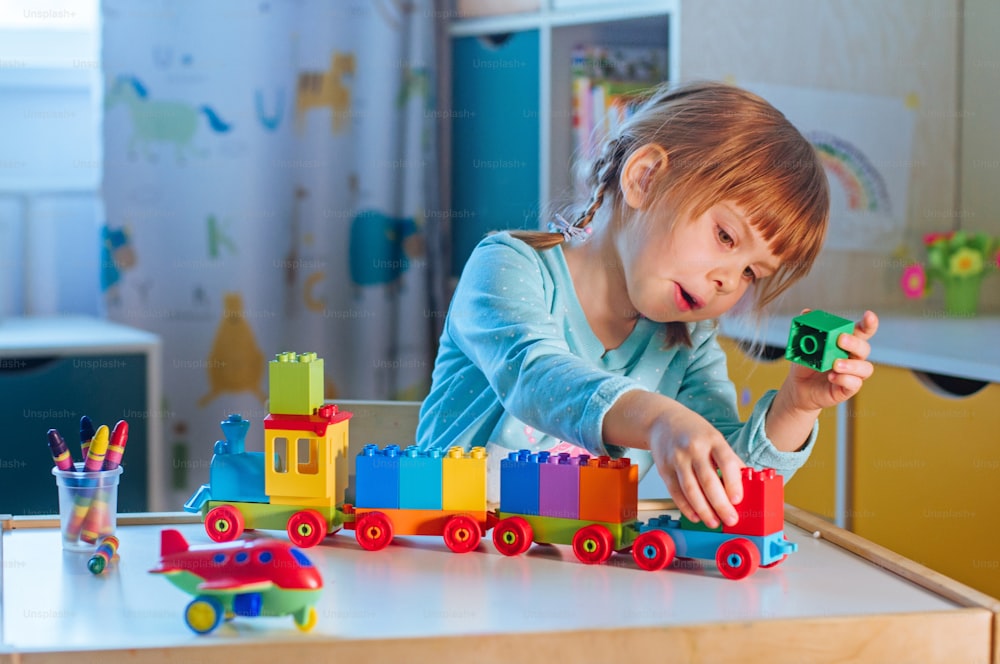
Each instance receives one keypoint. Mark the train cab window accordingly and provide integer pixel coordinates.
(279, 462)
(308, 463)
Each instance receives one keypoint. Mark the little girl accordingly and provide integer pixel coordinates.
(602, 334)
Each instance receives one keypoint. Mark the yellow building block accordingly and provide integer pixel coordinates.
(295, 383)
(463, 479)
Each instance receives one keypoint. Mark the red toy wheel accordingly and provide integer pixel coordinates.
(593, 544)
(462, 533)
(653, 550)
(224, 523)
(737, 559)
(512, 536)
(306, 528)
(373, 530)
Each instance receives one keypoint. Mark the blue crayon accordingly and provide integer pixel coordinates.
(86, 434)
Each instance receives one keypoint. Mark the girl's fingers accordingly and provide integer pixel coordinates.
(860, 368)
(719, 505)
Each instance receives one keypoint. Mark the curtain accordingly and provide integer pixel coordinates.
(269, 168)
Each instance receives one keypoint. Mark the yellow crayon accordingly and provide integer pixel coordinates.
(94, 462)
(97, 450)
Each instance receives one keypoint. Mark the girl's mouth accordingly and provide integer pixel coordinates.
(685, 301)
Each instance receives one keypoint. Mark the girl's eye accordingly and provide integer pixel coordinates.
(749, 274)
(724, 237)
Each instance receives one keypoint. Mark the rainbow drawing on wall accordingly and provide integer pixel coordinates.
(847, 164)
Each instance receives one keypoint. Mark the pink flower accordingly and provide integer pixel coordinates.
(914, 281)
(931, 238)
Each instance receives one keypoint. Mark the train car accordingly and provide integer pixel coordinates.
(591, 504)
(757, 539)
(413, 492)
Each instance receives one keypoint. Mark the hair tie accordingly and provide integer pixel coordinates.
(569, 231)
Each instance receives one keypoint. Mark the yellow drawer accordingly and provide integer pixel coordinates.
(926, 471)
(814, 486)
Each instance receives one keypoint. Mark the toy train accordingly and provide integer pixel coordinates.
(299, 482)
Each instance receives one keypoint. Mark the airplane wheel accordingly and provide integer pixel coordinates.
(203, 614)
(224, 523)
(373, 531)
(737, 559)
(512, 536)
(593, 544)
(462, 533)
(653, 550)
(306, 620)
(306, 529)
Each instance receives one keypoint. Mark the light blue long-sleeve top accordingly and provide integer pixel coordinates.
(518, 367)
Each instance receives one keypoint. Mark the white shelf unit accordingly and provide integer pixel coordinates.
(563, 25)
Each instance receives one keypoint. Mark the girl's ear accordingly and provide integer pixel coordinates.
(640, 171)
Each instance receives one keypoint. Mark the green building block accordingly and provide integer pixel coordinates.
(812, 341)
(295, 384)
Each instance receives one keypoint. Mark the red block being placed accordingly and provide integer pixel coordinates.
(762, 510)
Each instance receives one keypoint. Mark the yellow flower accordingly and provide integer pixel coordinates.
(965, 262)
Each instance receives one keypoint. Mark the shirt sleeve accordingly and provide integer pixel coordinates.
(500, 318)
(707, 390)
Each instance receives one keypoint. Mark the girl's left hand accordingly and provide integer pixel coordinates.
(814, 390)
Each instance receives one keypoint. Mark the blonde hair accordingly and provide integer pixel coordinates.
(723, 143)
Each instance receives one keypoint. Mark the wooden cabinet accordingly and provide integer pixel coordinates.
(511, 106)
(814, 486)
(926, 472)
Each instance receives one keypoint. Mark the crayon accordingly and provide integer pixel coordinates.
(86, 434)
(81, 505)
(98, 519)
(106, 551)
(97, 450)
(60, 451)
(116, 447)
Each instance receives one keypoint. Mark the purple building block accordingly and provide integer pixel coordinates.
(559, 486)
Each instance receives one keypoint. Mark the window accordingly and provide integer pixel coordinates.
(50, 166)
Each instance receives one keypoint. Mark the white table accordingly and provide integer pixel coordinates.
(417, 601)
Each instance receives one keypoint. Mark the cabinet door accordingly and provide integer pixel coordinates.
(814, 486)
(54, 393)
(926, 468)
(495, 138)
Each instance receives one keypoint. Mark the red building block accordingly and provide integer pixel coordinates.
(762, 510)
(609, 490)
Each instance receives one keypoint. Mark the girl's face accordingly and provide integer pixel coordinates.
(698, 268)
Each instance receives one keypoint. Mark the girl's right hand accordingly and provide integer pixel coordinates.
(687, 450)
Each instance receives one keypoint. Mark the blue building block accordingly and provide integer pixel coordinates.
(812, 339)
(377, 476)
(519, 482)
(234, 473)
(420, 479)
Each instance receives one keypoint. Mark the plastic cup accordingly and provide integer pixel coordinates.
(88, 506)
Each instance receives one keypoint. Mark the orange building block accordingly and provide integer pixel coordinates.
(609, 490)
(762, 510)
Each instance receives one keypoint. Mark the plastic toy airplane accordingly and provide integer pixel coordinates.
(264, 577)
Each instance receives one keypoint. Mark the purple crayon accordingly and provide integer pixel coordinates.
(86, 434)
(60, 451)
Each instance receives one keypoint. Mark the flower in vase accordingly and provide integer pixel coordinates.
(951, 256)
(965, 262)
(914, 281)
